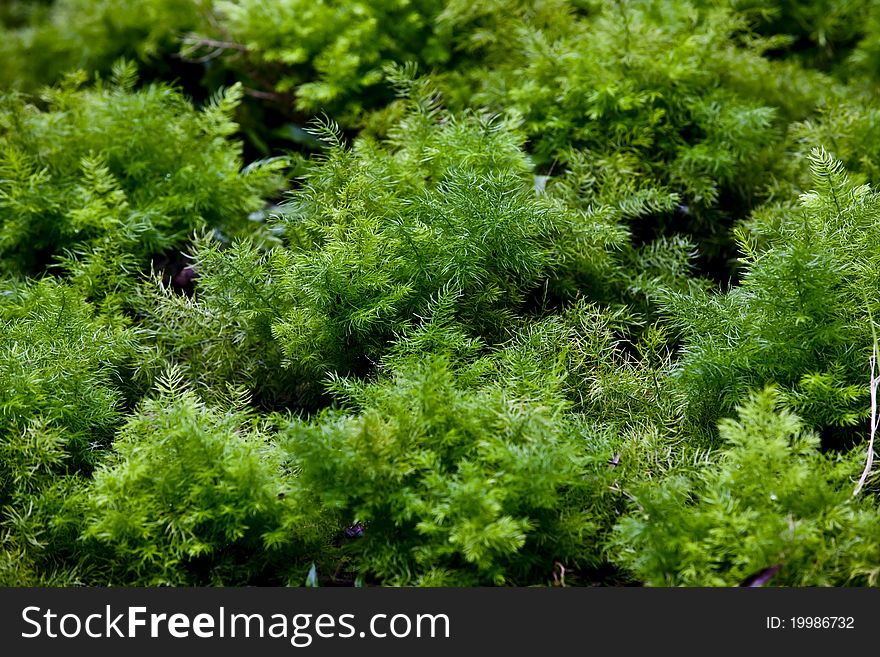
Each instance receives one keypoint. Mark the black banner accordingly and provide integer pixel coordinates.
(432, 621)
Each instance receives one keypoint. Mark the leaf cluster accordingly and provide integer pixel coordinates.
(771, 498)
(592, 296)
(195, 496)
(800, 319)
(111, 173)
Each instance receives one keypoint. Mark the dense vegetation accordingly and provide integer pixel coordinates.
(439, 293)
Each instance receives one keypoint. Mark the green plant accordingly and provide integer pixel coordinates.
(195, 496)
(324, 56)
(771, 498)
(61, 388)
(823, 33)
(799, 318)
(455, 483)
(374, 233)
(674, 103)
(112, 176)
(488, 325)
(42, 42)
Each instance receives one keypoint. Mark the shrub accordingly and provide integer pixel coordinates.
(663, 89)
(800, 319)
(195, 496)
(61, 387)
(223, 333)
(770, 499)
(141, 167)
(374, 234)
(675, 103)
(489, 337)
(322, 56)
(455, 483)
(819, 33)
(42, 42)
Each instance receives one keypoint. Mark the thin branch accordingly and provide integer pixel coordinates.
(193, 40)
(263, 95)
(214, 54)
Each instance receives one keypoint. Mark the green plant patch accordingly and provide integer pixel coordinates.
(439, 293)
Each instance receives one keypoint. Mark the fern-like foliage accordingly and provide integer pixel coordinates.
(772, 499)
(379, 230)
(821, 33)
(670, 110)
(42, 41)
(63, 387)
(59, 381)
(322, 56)
(142, 166)
(195, 496)
(488, 325)
(223, 334)
(799, 319)
(457, 481)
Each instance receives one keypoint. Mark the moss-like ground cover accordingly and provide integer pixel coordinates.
(439, 292)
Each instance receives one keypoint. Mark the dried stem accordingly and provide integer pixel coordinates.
(875, 421)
